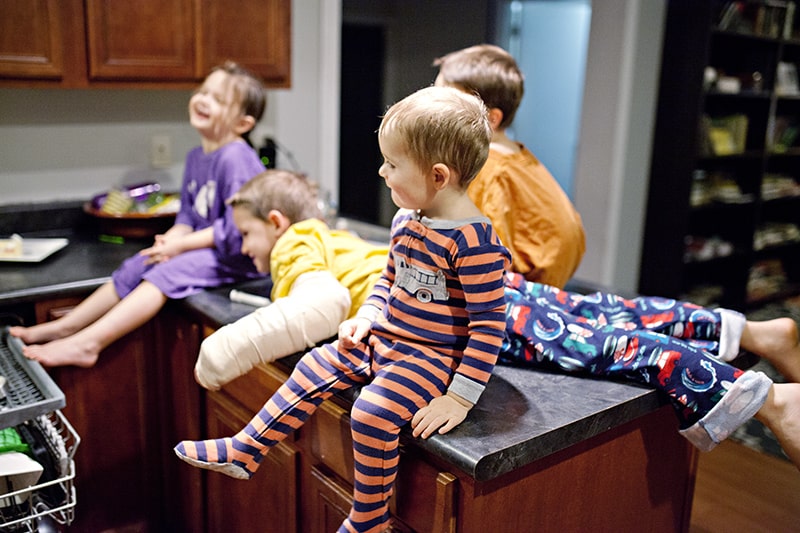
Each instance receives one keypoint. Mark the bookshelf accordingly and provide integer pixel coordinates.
(723, 209)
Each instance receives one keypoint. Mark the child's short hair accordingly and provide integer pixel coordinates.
(247, 89)
(291, 193)
(489, 71)
(442, 125)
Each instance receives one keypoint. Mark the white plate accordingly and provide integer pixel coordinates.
(18, 471)
(35, 250)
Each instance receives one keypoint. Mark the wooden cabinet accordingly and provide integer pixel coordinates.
(230, 502)
(141, 399)
(723, 213)
(115, 408)
(106, 43)
(42, 40)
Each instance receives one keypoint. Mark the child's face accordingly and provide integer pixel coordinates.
(258, 237)
(212, 109)
(411, 187)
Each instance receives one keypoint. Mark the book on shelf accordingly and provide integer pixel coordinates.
(770, 18)
(726, 135)
(783, 134)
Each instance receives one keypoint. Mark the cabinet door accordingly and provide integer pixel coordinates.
(268, 501)
(254, 33)
(141, 40)
(31, 37)
(329, 502)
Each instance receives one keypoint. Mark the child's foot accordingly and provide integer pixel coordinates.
(781, 414)
(777, 342)
(64, 352)
(229, 456)
(40, 333)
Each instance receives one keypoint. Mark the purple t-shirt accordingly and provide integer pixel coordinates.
(208, 181)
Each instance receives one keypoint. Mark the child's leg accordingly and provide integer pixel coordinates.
(319, 374)
(382, 408)
(89, 310)
(544, 335)
(777, 342)
(776, 405)
(781, 414)
(671, 317)
(84, 347)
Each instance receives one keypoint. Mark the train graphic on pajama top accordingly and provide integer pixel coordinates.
(426, 285)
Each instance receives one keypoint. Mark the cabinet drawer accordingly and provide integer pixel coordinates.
(331, 442)
(424, 496)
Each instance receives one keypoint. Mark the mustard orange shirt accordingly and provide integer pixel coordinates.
(533, 216)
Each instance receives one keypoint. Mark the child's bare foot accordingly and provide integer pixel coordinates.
(781, 414)
(40, 333)
(63, 352)
(777, 342)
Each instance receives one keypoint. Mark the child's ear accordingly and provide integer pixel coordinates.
(244, 124)
(495, 118)
(442, 176)
(280, 220)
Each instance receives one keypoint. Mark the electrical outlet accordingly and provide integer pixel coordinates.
(160, 151)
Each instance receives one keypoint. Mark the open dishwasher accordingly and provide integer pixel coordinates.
(30, 402)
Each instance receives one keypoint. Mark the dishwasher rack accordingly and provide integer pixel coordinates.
(30, 402)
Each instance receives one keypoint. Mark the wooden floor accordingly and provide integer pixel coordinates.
(740, 490)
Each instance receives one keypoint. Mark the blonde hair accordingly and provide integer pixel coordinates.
(441, 125)
(291, 193)
(490, 72)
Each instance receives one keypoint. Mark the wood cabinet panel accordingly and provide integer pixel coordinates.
(31, 36)
(329, 503)
(113, 406)
(268, 501)
(330, 439)
(425, 496)
(146, 39)
(256, 33)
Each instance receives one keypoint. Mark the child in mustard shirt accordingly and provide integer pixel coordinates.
(528, 208)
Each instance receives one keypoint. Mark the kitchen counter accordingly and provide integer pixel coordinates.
(523, 415)
(84, 264)
(532, 432)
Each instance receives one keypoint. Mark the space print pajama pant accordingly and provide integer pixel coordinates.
(676, 347)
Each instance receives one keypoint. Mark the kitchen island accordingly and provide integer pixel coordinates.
(540, 451)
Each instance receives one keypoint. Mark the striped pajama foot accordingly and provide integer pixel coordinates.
(229, 456)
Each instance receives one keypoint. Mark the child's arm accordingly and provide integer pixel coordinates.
(170, 245)
(310, 313)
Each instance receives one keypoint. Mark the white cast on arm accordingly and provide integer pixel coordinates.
(312, 311)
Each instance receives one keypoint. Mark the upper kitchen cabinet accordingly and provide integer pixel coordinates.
(42, 40)
(158, 43)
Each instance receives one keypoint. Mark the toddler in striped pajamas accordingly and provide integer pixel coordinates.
(424, 344)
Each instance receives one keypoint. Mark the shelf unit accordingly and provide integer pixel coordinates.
(723, 209)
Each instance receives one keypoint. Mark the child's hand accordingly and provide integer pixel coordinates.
(445, 412)
(352, 331)
(163, 248)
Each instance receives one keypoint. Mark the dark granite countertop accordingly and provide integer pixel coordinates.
(84, 264)
(523, 415)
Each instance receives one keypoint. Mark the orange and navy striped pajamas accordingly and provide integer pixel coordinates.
(438, 325)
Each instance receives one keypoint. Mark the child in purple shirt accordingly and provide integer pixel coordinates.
(202, 248)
